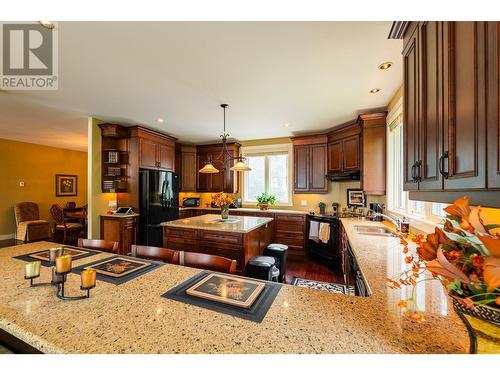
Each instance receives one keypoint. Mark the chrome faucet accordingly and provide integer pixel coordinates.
(396, 222)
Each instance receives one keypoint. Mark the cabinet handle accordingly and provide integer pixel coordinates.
(418, 177)
(413, 178)
(441, 165)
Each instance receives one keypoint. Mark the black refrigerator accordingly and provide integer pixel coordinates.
(158, 202)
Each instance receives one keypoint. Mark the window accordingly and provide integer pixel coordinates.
(270, 173)
(397, 199)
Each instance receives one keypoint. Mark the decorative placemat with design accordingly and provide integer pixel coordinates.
(256, 312)
(119, 269)
(43, 255)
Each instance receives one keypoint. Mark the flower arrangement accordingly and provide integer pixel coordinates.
(464, 256)
(223, 200)
(264, 200)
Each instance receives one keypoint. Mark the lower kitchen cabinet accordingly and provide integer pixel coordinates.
(121, 229)
(352, 274)
(290, 230)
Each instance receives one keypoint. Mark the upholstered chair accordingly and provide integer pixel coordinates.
(29, 227)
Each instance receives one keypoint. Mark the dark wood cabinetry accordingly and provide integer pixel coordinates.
(114, 157)
(225, 180)
(156, 152)
(121, 229)
(188, 167)
(451, 105)
(344, 148)
(374, 139)
(310, 164)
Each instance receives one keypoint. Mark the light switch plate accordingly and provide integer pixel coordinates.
(21, 183)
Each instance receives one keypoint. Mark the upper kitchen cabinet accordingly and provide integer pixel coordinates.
(155, 150)
(225, 180)
(344, 147)
(374, 145)
(451, 102)
(310, 164)
(188, 167)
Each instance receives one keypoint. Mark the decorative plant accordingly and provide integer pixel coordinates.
(266, 199)
(464, 257)
(223, 199)
(322, 205)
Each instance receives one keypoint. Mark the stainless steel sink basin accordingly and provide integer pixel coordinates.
(374, 230)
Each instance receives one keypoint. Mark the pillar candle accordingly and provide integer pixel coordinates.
(63, 263)
(88, 278)
(32, 269)
(54, 253)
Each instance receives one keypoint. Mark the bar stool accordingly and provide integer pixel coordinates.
(263, 268)
(279, 252)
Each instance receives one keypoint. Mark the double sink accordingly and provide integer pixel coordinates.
(373, 230)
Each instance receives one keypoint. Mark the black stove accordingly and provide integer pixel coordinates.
(326, 253)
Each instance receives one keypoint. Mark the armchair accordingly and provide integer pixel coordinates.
(29, 227)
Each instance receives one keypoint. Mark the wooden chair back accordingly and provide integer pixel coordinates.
(207, 262)
(102, 245)
(57, 214)
(155, 253)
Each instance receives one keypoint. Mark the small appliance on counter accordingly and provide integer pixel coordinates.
(191, 202)
(377, 208)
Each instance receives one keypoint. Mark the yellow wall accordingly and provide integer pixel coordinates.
(37, 166)
(98, 202)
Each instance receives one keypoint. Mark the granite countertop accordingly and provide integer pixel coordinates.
(235, 224)
(134, 318)
(246, 209)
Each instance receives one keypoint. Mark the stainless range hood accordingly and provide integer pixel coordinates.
(343, 176)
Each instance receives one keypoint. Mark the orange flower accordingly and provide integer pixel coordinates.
(441, 266)
(460, 208)
(492, 272)
(409, 259)
(492, 244)
(403, 304)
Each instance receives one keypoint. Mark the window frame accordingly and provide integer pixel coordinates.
(266, 150)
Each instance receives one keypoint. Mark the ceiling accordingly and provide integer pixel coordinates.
(310, 75)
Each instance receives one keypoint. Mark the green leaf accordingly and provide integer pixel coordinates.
(491, 226)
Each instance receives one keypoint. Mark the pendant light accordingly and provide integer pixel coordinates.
(225, 156)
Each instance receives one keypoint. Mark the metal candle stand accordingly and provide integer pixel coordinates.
(60, 288)
(60, 285)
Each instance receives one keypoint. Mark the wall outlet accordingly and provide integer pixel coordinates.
(21, 183)
(303, 203)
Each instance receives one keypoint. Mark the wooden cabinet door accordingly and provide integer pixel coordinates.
(431, 108)
(147, 153)
(493, 105)
(410, 113)
(335, 156)
(189, 171)
(217, 179)
(301, 168)
(464, 72)
(203, 179)
(318, 164)
(350, 153)
(166, 157)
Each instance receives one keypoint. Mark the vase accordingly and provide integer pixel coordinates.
(322, 210)
(224, 212)
(263, 206)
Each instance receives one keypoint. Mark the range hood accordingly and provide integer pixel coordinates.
(343, 176)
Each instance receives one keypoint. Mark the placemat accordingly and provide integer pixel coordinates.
(124, 267)
(256, 313)
(29, 257)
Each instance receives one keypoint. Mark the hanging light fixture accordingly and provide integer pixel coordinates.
(225, 156)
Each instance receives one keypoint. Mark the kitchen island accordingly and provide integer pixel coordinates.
(134, 318)
(239, 237)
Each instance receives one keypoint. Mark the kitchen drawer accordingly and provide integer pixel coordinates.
(215, 250)
(290, 227)
(180, 232)
(178, 243)
(281, 218)
(223, 237)
(289, 240)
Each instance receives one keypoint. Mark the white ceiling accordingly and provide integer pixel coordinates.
(311, 75)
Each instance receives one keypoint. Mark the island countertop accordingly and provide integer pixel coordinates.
(134, 318)
(235, 224)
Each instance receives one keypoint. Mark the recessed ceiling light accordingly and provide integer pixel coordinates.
(385, 65)
(374, 91)
(160, 120)
(47, 24)
(286, 125)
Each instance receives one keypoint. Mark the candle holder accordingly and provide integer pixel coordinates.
(33, 284)
(60, 288)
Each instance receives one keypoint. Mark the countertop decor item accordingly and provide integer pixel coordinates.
(464, 256)
(225, 156)
(223, 200)
(322, 207)
(265, 200)
(355, 198)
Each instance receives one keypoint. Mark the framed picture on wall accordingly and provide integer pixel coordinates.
(66, 185)
(355, 198)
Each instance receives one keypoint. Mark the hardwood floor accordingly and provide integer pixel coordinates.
(311, 269)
